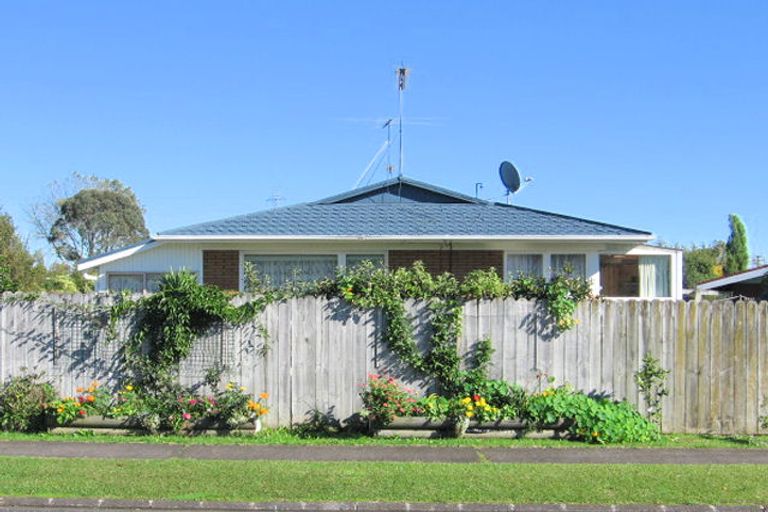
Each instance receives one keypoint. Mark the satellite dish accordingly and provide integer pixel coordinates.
(510, 177)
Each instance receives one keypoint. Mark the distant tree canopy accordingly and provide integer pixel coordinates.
(19, 270)
(701, 264)
(99, 216)
(736, 251)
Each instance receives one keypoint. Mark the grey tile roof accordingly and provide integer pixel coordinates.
(403, 219)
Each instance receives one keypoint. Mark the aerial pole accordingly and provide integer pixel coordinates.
(402, 76)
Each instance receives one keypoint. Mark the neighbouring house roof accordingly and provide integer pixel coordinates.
(750, 276)
(117, 254)
(403, 208)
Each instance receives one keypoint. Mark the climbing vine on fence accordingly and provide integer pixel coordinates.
(170, 320)
(367, 286)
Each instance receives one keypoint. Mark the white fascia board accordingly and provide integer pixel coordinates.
(269, 238)
(724, 281)
(117, 255)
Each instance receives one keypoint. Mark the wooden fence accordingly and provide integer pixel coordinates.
(318, 352)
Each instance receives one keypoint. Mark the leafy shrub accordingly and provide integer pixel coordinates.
(166, 407)
(384, 399)
(23, 401)
(596, 420)
(92, 401)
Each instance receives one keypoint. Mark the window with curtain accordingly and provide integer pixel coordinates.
(280, 269)
(524, 265)
(356, 259)
(153, 281)
(129, 282)
(575, 264)
(655, 276)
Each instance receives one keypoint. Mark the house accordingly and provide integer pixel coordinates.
(394, 223)
(752, 284)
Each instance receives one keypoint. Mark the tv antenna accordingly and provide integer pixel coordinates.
(275, 200)
(376, 156)
(402, 79)
(510, 177)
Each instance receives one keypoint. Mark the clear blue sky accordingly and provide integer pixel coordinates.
(646, 114)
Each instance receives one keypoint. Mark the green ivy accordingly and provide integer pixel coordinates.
(169, 321)
(367, 286)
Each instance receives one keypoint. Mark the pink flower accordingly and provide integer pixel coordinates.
(385, 404)
(186, 416)
(193, 402)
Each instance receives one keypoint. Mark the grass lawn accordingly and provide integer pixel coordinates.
(288, 437)
(382, 481)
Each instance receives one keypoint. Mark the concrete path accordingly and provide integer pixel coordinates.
(386, 453)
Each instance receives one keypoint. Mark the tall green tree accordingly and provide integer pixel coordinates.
(701, 264)
(736, 251)
(89, 216)
(19, 270)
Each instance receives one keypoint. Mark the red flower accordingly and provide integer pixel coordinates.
(476, 398)
(82, 412)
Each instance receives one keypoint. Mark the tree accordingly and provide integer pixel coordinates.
(736, 251)
(87, 216)
(19, 270)
(701, 264)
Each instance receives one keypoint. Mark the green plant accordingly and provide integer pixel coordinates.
(367, 286)
(170, 320)
(595, 420)
(651, 382)
(94, 400)
(384, 399)
(23, 401)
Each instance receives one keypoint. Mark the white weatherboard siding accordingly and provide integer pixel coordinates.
(189, 255)
(163, 258)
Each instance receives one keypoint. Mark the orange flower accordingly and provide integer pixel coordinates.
(90, 398)
(79, 389)
(263, 411)
(264, 396)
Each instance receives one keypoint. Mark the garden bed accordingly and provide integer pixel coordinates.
(421, 426)
(122, 426)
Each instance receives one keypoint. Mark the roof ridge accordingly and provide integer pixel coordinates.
(336, 198)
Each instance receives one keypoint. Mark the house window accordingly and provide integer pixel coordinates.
(572, 264)
(355, 259)
(654, 272)
(529, 265)
(624, 275)
(276, 270)
(136, 282)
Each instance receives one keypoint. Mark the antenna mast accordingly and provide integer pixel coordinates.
(402, 76)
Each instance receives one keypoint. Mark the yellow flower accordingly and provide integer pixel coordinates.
(595, 434)
(466, 400)
(242, 388)
(60, 410)
(470, 407)
(129, 388)
(230, 386)
(469, 414)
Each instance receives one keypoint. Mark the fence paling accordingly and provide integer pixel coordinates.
(318, 351)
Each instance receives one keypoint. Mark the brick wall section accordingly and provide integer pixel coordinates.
(459, 263)
(222, 269)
